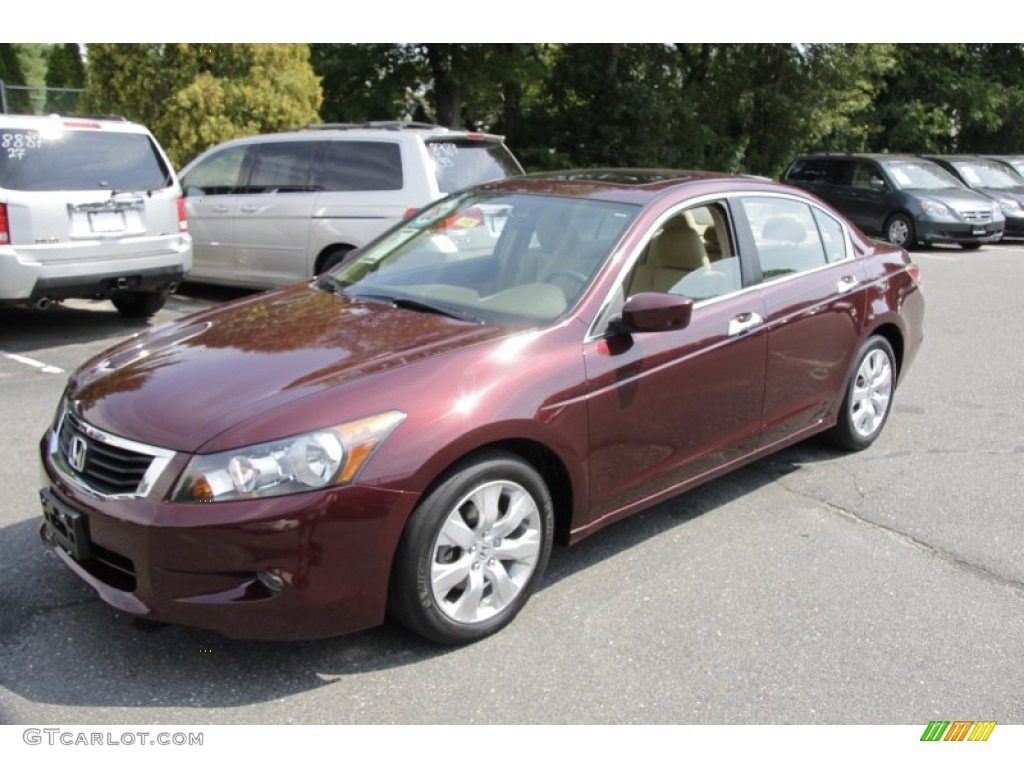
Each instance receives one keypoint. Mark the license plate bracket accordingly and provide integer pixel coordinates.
(68, 526)
(106, 221)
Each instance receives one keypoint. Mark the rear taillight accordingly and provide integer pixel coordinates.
(182, 220)
(915, 272)
(5, 233)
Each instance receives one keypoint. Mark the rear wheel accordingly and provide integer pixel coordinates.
(868, 397)
(474, 550)
(139, 304)
(333, 259)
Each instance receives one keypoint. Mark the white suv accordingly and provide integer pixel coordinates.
(274, 209)
(89, 208)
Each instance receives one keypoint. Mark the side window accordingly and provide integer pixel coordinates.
(283, 166)
(832, 236)
(866, 177)
(691, 254)
(838, 172)
(218, 174)
(785, 234)
(806, 170)
(360, 166)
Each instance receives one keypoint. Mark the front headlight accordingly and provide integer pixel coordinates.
(935, 208)
(1009, 206)
(331, 456)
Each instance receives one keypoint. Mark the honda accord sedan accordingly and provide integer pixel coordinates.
(516, 365)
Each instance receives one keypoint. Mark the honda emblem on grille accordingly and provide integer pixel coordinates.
(76, 453)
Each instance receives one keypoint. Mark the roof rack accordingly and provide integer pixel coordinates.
(387, 125)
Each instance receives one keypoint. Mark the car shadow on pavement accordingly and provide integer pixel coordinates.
(80, 321)
(61, 646)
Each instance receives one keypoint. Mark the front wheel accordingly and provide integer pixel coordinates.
(868, 397)
(899, 230)
(473, 551)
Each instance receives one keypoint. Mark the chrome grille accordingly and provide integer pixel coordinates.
(104, 463)
(977, 217)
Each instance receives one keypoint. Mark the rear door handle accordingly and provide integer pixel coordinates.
(847, 284)
(745, 322)
(250, 208)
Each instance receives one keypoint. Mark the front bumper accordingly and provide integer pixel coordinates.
(327, 553)
(957, 232)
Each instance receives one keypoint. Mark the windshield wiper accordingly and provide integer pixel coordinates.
(419, 305)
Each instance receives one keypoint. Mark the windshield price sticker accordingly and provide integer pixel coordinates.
(15, 145)
(444, 153)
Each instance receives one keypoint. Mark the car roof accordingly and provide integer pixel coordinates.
(364, 131)
(72, 122)
(628, 185)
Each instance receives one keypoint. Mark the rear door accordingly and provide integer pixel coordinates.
(275, 213)
(814, 303)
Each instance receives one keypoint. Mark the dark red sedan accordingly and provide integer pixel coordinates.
(521, 363)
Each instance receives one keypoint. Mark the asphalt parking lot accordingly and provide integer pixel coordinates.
(811, 587)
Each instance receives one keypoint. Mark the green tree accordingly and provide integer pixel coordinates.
(11, 73)
(64, 66)
(195, 95)
(954, 97)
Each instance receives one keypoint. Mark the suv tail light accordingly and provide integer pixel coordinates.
(5, 233)
(182, 220)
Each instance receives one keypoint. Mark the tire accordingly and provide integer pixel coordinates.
(868, 397)
(473, 551)
(137, 304)
(899, 230)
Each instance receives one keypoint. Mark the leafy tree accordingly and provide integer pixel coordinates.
(64, 67)
(953, 98)
(195, 95)
(11, 73)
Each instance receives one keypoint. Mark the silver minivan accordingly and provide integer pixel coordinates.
(273, 209)
(89, 208)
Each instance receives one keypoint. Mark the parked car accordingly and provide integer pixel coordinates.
(410, 432)
(89, 208)
(269, 210)
(901, 198)
(1016, 162)
(992, 179)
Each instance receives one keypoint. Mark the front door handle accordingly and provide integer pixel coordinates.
(745, 322)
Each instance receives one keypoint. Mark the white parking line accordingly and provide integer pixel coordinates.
(934, 256)
(34, 363)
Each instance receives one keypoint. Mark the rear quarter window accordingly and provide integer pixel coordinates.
(37, 161)
(360, 166)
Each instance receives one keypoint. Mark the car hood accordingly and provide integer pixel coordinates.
(182, 384)
(958, 199)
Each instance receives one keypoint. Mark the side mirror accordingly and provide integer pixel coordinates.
(653, 312)
(879, 184)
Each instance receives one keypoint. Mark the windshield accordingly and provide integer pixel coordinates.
(911, 174)
(980, 173)
(489, 258)
(48, 161)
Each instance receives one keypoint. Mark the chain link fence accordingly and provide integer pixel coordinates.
(32, 100)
